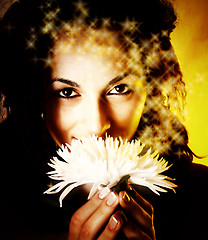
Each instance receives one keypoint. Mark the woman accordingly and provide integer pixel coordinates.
(109, 69)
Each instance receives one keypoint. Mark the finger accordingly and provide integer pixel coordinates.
(100, 217)
(136, 213)
(83, 213)
(114, 226)
(140, 200)
(132, 231)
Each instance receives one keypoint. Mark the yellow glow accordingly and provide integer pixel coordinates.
(191, 45)
(190, 41)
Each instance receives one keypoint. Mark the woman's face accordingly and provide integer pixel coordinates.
(92, 91)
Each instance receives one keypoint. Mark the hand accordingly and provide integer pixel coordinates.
(96, 219)
(139, 215)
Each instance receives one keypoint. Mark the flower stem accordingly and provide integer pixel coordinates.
(122, 184)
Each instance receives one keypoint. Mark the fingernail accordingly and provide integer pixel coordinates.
(111, 199)
(126, 197)
(104, 192)
(131, 191)
(113, 223)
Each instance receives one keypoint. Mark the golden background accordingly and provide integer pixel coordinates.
(190, 40)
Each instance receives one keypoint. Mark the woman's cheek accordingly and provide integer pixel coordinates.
(127, 116)
(59, 121)
(128, 112)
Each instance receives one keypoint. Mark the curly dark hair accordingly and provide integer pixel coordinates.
(23, 70)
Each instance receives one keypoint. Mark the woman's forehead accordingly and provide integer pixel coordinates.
(99, 45)
(91, 40)
(95, 46)
(88, 66)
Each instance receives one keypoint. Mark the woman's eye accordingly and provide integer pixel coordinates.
(121, 89)
(67, 93)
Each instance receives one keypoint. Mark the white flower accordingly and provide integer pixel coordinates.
(105, 163)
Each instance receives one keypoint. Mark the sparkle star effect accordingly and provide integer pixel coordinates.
(140, 57)
(104, 163)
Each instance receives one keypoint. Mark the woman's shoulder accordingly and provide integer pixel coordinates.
(199, 173)
(195, 181)
(199, 168)
(182, 215)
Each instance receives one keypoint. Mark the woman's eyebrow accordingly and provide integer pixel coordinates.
(74, 84)
(118, 78)
(65, 81)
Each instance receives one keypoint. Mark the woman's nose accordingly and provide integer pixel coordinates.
(97, 118)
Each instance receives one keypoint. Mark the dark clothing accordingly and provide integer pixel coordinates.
(28, 214)
(184, 215)
(176, 216)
